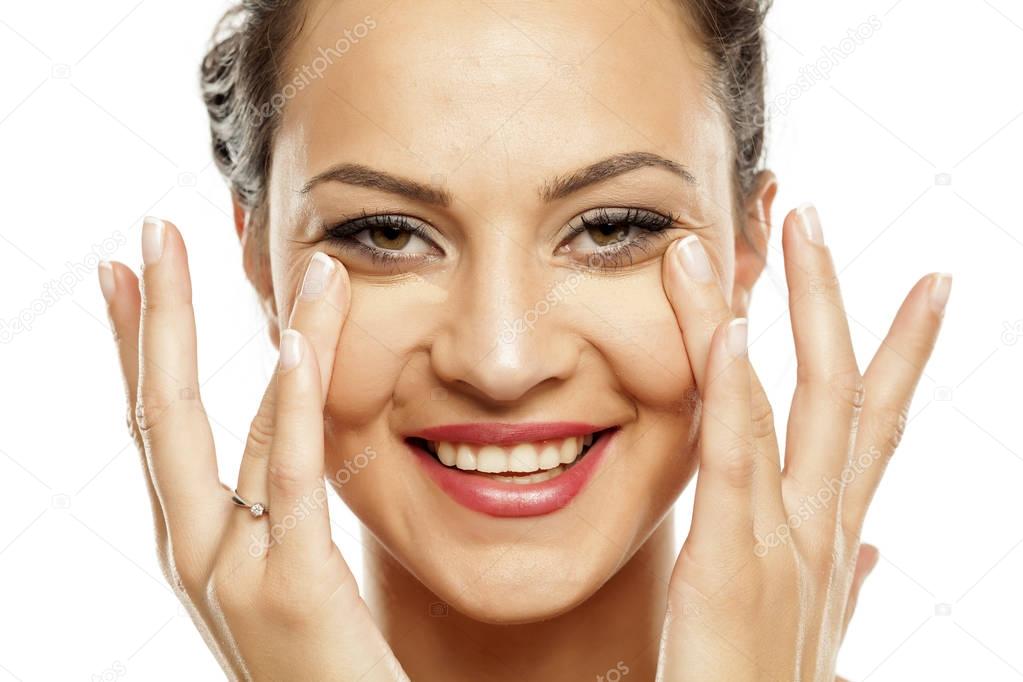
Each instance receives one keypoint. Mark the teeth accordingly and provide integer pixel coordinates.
(550, 457)
(492, 459)
(523, 458)
(543, 459)
(569, 451)
(466, 459)
(445, 453)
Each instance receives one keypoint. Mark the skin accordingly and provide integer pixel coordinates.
(385, 349)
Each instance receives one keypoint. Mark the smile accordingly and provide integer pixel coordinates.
(512, 469)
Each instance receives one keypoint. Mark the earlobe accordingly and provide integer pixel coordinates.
(239, 218)
(751, 245)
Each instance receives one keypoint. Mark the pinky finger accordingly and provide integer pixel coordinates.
(120, 290)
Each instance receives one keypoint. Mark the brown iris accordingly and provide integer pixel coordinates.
(390, 238)
(607, 233)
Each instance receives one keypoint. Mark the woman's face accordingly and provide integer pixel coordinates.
(523, 287)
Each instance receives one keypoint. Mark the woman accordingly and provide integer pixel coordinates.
(508, 276)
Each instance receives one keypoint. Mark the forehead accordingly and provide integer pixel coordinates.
(510, 90)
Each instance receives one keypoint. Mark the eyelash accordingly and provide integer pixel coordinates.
(342, 234)
(654, 225)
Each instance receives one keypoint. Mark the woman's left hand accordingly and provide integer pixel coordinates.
(768, 577)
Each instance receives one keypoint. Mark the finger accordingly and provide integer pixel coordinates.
(120, 289)
(722, 510)
(865, 563)
(829, 392)
(170, 415)
(320, 310)
(299, 523)
(890, 381)
(694, 291)
(768, 506)
(700, 307)
(318, 313)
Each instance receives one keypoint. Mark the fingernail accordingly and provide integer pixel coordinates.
(152, 240)
(941, 286)
(736, 340)
(107, 282)
(317, 273)
(693, 259)
(811, 222)
(291, 349)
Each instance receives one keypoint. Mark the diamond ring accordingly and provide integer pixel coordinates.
(257, 509)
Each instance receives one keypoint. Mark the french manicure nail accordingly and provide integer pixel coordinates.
(291, 349)
(107, 282)
(317, 273)
(693, 259)
(811, 222)
(941, 286)
(152, 240)
(736, 339)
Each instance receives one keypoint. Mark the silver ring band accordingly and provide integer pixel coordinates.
(257, 509)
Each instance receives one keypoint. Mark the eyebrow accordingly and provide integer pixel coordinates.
(552, 190)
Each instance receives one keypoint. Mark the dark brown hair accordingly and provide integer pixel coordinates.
(244, 70)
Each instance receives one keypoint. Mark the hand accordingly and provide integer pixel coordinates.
(767, 580)
(272, 596)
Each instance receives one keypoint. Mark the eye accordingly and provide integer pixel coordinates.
(384, 239)
(391, 238)
(612, 237)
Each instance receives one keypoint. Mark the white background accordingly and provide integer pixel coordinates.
(910, 149)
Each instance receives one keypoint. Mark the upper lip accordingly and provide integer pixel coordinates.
(503, 433)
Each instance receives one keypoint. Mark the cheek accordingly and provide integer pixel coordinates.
(385, 328)
(633, 328)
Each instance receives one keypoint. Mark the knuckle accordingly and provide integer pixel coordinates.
(886, 426)
(132, 425)
(843, 385)
(283, 476)
(261, 434)
(154, 406)
(737, 462)
(848, 388)
(822, 288)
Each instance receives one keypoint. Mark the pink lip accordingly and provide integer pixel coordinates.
(495, 498)
(506, 434)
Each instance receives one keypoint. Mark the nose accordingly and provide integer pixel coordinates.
(503, 334)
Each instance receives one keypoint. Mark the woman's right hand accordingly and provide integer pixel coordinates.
(272, 596)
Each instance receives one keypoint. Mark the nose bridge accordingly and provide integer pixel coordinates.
(502, 335)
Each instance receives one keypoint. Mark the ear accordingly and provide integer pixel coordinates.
(256, 262)
(239, 218)
(751, 246)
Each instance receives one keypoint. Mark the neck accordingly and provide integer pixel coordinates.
(618, 627)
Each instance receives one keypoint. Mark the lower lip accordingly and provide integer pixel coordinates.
(497, 498)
